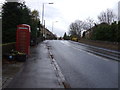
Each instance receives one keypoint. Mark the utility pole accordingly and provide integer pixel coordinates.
(43, 22)
(53, 25)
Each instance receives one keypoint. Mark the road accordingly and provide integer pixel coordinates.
(85, 66)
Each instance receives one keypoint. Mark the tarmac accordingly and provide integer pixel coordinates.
(37, 72)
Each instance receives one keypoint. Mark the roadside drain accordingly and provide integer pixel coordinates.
(59, 74)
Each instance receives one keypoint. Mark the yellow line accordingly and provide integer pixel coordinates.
(6, 44)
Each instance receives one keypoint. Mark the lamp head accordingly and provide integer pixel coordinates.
(50, 3)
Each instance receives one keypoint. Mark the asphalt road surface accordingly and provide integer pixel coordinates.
(85, 66)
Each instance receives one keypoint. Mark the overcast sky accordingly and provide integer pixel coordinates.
(67, 11)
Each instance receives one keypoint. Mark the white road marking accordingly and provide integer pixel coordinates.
(91, 54)
(85, 51)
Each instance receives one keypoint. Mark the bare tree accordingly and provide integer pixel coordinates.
(108, 16)
(72, 29)
(76, 28)
(89, 23)
(80, 26)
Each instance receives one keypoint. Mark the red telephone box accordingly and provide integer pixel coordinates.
(23, 38)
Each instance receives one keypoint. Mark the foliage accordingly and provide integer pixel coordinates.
(66, 37)
(15, 13)
(76, 27)
(35, 24)
(99, 32)
(118, 32)
(35, 15)
(11, 18)
(105, 32)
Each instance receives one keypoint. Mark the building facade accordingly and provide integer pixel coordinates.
(46, 33)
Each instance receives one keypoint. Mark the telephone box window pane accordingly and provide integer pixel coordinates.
(22, 28)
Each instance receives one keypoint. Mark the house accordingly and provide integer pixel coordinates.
(47, 34)
(88, 33)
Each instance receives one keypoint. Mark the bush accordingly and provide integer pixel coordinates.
(105, 32)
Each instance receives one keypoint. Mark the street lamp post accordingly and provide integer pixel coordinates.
(43, 15)
(43, 11)
(53, 25)
(1, 4)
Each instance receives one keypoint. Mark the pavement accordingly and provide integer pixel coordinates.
(9, 70)
(37, 72)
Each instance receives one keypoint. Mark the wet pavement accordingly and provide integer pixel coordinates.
(37, 72)
(9, 70)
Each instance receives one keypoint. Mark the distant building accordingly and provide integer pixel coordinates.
(89, 33)
(47, 34)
